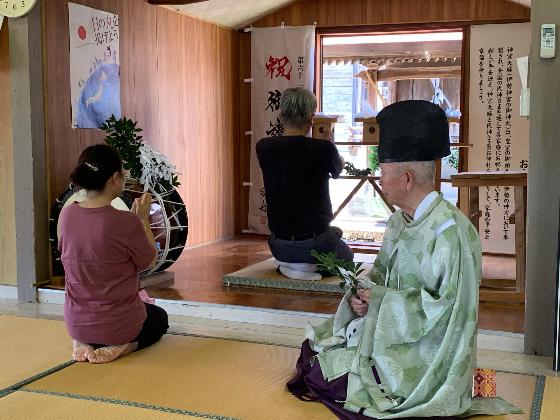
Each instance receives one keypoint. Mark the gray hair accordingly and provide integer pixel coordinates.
(297, 106)
(424, 172)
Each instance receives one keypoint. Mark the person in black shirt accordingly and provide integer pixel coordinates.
(296, 171)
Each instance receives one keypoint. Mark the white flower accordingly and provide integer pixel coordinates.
(155, 168)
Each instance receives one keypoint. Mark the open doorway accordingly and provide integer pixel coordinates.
(360, 75)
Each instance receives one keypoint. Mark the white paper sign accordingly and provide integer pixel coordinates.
(499, 135)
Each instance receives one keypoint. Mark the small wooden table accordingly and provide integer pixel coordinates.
(468, 184)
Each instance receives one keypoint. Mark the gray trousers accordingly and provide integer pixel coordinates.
(299, 251)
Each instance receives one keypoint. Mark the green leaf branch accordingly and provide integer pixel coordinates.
(348, 271)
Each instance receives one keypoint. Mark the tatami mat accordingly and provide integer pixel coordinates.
(518, 390)
(227, 378)
(29, 347)
(34, 406)
(551, 402)
(180, 376)
(264, 275)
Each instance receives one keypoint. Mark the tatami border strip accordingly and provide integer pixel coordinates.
(538, 398)
(34, 378)
(239, 340)
(5, 392)
(512, 372)
(129, 404)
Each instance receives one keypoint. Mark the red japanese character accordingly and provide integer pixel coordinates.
(278, 65)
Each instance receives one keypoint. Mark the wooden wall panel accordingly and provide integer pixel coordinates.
(329, 13)
(367, 15)
(7, 204)
(179, 79)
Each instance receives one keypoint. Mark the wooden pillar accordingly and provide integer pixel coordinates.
(544, 187)
(520, 236)
(8, 254)
(30, 174)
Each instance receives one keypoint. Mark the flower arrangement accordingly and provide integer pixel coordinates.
(145, 164)
(157, 171)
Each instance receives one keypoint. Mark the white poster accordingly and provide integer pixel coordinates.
(499, 135)
(281, 58)
(94, 66)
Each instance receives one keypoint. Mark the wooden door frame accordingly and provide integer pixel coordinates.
(463, 26)
(401, 29)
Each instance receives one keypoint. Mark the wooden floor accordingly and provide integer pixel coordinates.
(199, 272)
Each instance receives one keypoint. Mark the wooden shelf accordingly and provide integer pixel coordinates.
(369, 143)
(490, 179)
(486, 295)
(355, 143)
(374, 178)
(374, 119)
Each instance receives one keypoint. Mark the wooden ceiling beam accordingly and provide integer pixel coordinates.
(174, 2)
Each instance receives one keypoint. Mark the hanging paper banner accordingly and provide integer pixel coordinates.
(281, 58)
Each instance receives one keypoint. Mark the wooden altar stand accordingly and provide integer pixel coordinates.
(323, 129)
(469, 184)
(361, 181)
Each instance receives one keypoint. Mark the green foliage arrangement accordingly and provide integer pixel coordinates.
(348, 271)
(353, 171)
(122, 134)
(373, 159)
(453, 158)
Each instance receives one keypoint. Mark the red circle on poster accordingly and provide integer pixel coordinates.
(82, 32)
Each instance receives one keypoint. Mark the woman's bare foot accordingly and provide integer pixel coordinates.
(109, 353)
(80, 351)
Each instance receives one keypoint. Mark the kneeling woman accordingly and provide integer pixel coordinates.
(103, 250)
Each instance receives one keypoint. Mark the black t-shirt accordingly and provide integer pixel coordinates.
(296, 172)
